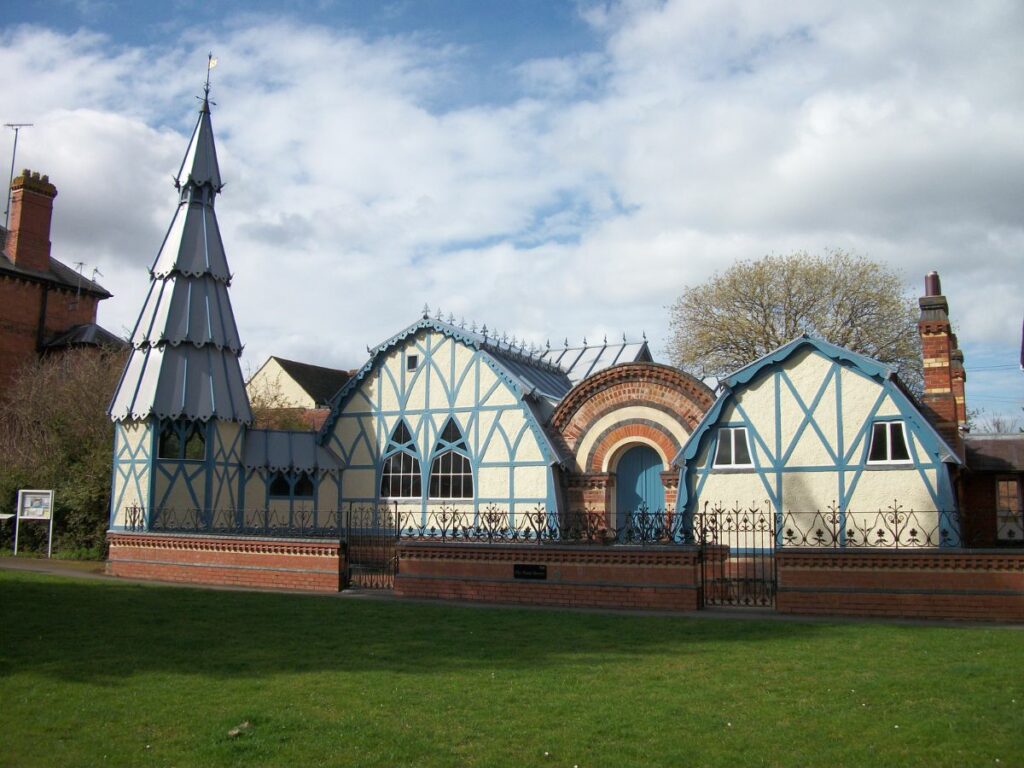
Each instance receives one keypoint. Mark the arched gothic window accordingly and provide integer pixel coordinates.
(400, 476)
(182, 440)
(451, 475)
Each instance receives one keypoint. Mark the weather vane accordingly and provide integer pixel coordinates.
(211, 62)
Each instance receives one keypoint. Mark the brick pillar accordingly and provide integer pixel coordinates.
(944, 375)
(28, 241)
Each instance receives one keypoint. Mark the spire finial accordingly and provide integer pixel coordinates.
(211, 62)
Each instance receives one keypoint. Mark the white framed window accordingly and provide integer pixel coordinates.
(888, 443)
(451, 474)
(733, 448)
(400, 476)
(1009, 509)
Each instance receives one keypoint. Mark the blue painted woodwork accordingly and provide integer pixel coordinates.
(847, 458)
(456, 389)
(638, 482)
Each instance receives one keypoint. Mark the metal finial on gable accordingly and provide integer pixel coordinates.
(504, 336)
(584, 341)
(547, 344)
(606, 338)
(439, 315)
(483, 330)
(426, 311)
(644, 334)
(566, 342)
(462, 322)
(473, 327)
(623, 337)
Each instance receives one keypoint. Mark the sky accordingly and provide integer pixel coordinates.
(556, 170)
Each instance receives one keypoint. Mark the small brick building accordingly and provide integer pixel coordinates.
(44, 304)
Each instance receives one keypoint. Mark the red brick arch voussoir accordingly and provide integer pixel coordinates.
(680, 395)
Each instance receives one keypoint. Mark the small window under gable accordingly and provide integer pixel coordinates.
(412, 362)
(733, 448)
(888, 443)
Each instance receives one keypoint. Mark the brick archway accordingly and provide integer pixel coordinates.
(619, 407)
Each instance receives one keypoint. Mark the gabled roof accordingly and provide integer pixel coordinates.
(581, 362)
(533, 379)
(320, 383)
(865, 365)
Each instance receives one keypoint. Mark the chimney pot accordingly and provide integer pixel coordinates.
(932, 286)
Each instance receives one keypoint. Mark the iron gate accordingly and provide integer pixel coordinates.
(737, 556)
(370, 536)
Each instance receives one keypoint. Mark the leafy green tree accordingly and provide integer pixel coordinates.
(756, 306)
(55, 433)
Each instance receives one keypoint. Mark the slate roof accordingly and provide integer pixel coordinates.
(280, 451)
(538, 383)
(320, 383)
(185, 345)
(86, 335)
(994, 453)
(59, 274)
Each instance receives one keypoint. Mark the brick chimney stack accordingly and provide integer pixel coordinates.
(944, 375)
(28, 240)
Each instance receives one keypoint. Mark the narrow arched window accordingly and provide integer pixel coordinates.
(451, 474)
(279, 485)
(400, 475)
(303, 486)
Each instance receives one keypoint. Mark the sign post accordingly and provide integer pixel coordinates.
(35, 505)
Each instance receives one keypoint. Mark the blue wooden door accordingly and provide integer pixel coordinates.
(638, 483)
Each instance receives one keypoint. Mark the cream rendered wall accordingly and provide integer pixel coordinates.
(273, 379)
(451, 379)
(133, 444)
(808, 431)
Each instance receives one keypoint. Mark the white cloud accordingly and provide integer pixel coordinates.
(700, 134)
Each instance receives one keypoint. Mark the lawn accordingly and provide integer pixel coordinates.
(97, 673)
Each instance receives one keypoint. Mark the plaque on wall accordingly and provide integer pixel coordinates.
(529, 571)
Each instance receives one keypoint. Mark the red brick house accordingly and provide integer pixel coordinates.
(44, 304)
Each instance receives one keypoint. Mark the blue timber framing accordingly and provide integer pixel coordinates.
(847, 458)
(437, 367)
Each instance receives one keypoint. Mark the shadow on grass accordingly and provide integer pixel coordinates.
(103, 631)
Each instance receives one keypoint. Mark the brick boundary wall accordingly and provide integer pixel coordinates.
(653, 578)
(946, 584)
(315, 565)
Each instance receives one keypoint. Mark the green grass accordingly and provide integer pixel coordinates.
(96, 673)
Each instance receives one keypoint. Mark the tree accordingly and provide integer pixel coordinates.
(55, 433)
(756, 306)
(271, 408)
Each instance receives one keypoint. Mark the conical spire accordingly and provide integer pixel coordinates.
(185, 345)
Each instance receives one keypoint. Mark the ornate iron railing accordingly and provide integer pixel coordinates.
(835, 528)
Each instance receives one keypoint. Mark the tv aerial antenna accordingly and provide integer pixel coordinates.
(15, 127)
